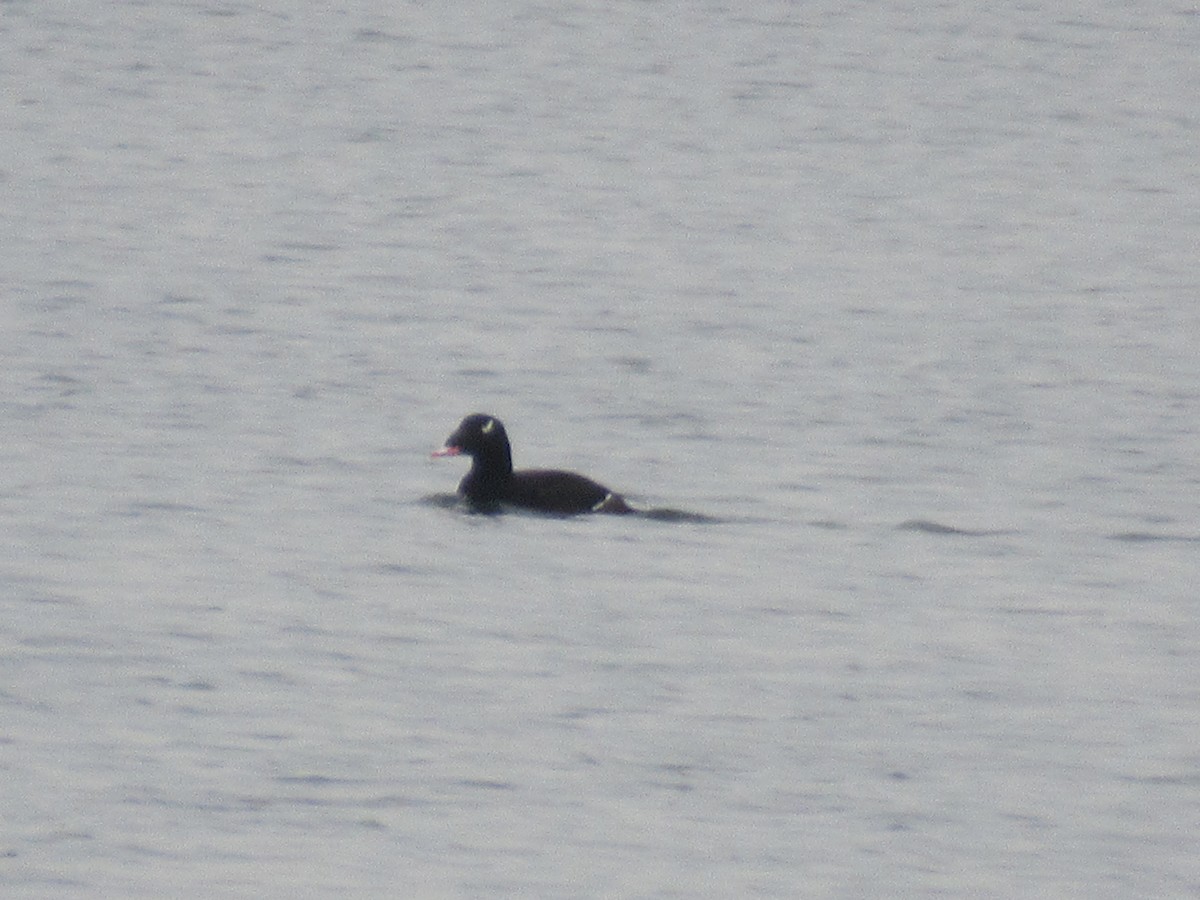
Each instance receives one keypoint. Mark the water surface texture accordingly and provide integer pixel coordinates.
(903, 297)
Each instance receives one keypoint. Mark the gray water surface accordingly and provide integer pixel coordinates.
(903, 296)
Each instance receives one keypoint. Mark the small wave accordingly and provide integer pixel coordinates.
(927, 526)
(666, 514)
(828, 524)
(1147, 537)
(441, 501)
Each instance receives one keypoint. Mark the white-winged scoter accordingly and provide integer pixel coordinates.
(491, 482)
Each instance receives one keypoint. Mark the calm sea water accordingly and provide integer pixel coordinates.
(905, 296)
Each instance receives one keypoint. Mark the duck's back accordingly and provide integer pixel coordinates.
(555, 491)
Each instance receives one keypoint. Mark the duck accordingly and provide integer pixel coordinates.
(491, 483)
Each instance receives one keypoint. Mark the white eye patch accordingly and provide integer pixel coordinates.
(489, 426)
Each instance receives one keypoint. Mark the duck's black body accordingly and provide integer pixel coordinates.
(492, 483)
